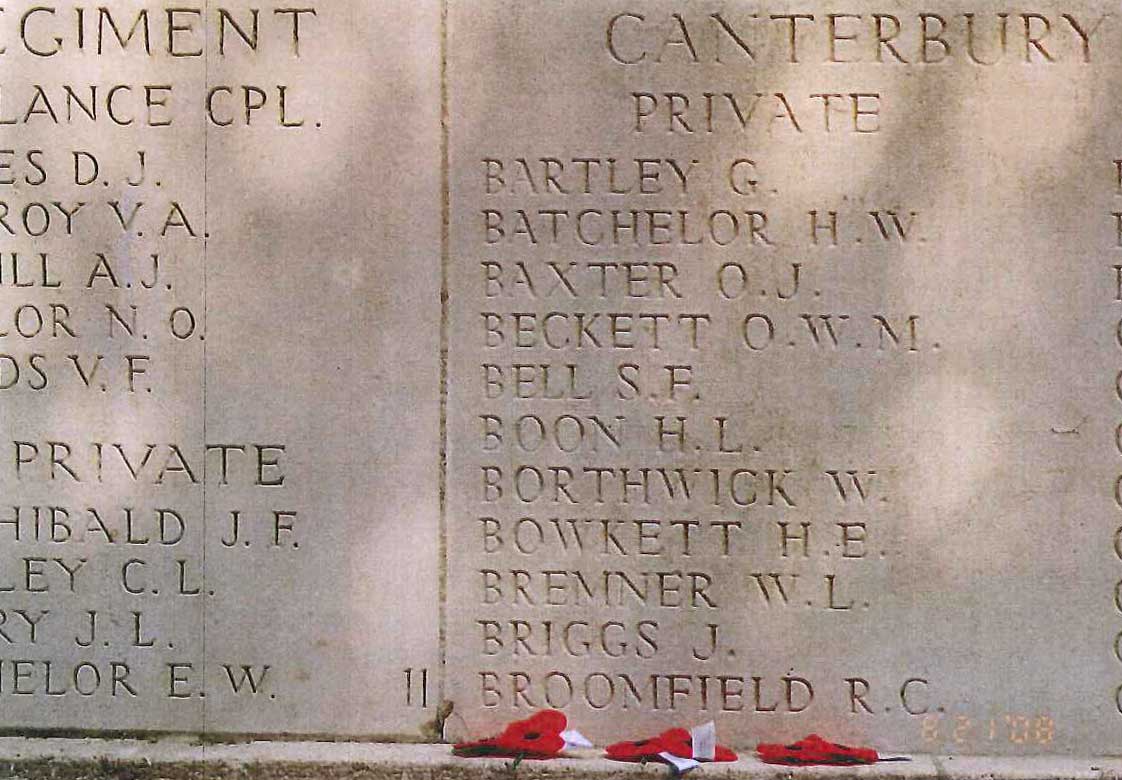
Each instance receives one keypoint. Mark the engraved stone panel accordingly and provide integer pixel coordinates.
(220, 451)
(366, 362)
(783, 370)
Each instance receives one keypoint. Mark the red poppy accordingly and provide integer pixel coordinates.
(815, 750)
(641, 750)
(536, 737)
(676, 742)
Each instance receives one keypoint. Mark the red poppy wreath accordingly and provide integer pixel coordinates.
(814, 750)
(542, 735)
(683, 750)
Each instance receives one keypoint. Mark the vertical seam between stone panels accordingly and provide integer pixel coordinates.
(206, 323)
(444, 251)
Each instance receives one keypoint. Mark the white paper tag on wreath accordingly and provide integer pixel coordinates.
(681, 765)
(704, 739)
(574, 739)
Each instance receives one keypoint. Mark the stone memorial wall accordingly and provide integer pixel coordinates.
(220, 362)
(385, 370)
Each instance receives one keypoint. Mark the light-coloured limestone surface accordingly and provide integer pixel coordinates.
(271, 385)
(388, 370)
(90, 758)
(784, 370)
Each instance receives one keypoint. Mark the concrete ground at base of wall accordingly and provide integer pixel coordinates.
(170, 759)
